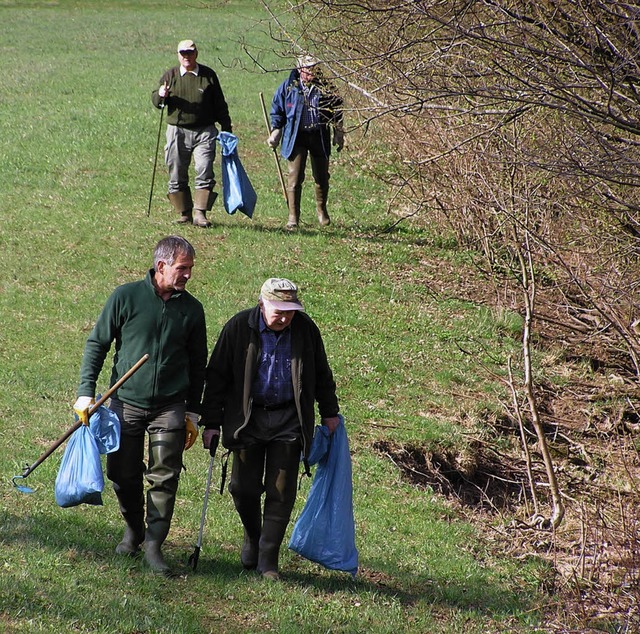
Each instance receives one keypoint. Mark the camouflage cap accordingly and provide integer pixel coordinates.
(280, 294)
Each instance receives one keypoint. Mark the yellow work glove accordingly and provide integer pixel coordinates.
(82, 406)
(191, 429)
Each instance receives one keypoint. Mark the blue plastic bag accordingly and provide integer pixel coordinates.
(325, 530)
(80, 479)
(237, 191)
(105, 427)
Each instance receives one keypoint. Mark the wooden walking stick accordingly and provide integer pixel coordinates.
(275, 152)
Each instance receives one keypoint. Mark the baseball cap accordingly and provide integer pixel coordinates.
(281, 294)
(187, 45)
(306, 61)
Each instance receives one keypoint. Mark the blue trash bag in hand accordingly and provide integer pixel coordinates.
(105, 427)
(80, 479)
(237, 191)
(325, 530)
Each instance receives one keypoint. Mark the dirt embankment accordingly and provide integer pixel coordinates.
(592, 426)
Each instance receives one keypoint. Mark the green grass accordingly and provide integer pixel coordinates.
(77, 137)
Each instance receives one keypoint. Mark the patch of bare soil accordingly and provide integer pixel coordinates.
(591, 425)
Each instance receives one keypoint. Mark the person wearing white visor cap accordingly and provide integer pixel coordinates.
(195, 103)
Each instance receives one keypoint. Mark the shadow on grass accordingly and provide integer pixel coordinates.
(75, 534)
(75, 537)
(369, 232)
(477, 594)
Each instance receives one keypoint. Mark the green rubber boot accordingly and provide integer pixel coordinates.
(183, 204)
(125, 468)
(202, 203)
(165, 462)
(294, 198)
(245, 486)
(322, 194)
(281, 479)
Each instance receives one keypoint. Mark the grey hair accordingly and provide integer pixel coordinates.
(169, 248)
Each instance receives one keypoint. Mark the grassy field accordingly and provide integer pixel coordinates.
(77, 138)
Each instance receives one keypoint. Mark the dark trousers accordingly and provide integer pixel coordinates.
(126, 468)
(267, 465)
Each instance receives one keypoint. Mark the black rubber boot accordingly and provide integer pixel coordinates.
(165, 462)
(131, 540)
(125, 468)
(246, 489)
(281, 477)
(250, 548)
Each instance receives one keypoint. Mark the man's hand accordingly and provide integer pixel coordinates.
(191, 429)
(163, 91)
(332, 423)
(274, 138)
(210, 440)
(82, 406)
(338, 138)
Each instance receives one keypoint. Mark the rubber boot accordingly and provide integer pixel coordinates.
(132, 538)
(203, 202)
(293, 201)
(125, 468)
(322, 194)
(245, 487)
(183, 204)
(281, 477)
(165, 462)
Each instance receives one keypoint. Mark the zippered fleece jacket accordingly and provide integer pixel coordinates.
(172, 333)
(194, 101)
(233, 365)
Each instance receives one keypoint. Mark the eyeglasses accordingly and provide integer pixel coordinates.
(185, 53)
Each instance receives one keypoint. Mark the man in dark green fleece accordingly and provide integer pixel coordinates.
(194, 100)
(154, 316)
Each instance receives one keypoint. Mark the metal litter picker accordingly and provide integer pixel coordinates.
(30, 468)
(193, 559)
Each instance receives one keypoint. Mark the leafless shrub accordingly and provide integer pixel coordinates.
(494, 106)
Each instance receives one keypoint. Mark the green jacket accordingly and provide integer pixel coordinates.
(227, 400)
(194, 101)
(173, 333)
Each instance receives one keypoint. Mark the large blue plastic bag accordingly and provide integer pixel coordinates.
(325, 530)
(80, 479)
(105, 427)
(237, 191)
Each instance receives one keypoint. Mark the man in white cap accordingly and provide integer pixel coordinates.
(195, 102)
(265, 375)
(304, 109)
